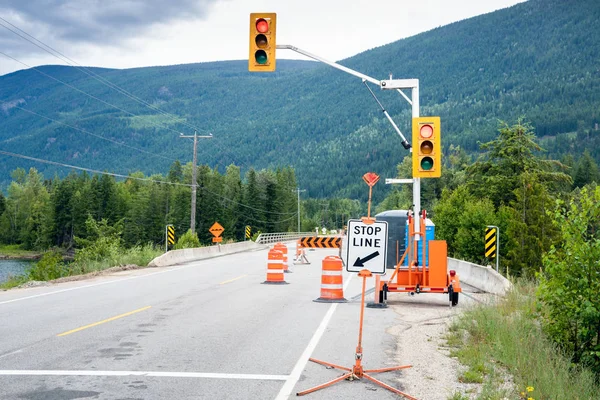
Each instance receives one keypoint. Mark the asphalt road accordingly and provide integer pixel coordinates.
(204, 330)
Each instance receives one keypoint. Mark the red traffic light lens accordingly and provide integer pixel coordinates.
(426, 131)
(426, 147)
(262, 25)
(261, 41)
(261, 57)
(426, 163)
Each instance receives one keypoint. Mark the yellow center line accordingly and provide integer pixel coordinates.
(234, 279)
(104, 321)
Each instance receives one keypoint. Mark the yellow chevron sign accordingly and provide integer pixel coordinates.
(315, 242)
(171, 234)
(490, 242)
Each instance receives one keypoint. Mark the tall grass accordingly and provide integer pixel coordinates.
(51, 266)
(505, 338)
(138, 255)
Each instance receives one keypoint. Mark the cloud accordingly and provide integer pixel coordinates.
(91, 22)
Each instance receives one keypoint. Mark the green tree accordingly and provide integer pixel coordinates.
(570, 283)
(507, 161)
(586, 171)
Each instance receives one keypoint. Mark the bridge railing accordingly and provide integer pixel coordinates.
(268, 238)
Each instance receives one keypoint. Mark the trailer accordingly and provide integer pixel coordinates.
(425, 274)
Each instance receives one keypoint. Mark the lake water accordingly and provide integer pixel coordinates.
(13, 267)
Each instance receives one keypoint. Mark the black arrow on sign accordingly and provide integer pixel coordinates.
(360, 261)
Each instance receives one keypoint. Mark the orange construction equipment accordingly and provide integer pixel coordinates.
(300, 257)
(428, 275)
(332, 284)
(275, 268)
(284, 250)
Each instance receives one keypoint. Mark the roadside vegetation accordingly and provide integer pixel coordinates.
(506, 349)
(17, 251)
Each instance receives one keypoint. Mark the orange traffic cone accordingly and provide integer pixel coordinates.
(332, 285)
(283, 248)
(275, 268)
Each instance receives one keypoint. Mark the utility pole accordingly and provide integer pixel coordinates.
(298, 190)
(194, 181)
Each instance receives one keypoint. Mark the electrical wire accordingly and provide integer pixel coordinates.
(90, 133)
(139, 179)
(50, 50)
(87, 94)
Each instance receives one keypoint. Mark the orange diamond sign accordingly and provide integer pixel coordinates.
(371, 178)
(216, 229)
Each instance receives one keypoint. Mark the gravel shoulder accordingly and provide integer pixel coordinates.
(424, 322)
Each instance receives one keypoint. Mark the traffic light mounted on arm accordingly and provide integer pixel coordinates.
(427, 150)
(262, 42)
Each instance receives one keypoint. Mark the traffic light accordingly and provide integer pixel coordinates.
(262, 42)
(427, 151)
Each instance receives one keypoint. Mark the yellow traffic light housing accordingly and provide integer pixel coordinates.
(262, 42)
(427, 150)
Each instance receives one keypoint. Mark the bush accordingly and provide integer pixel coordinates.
(187, 240)
(49, 267)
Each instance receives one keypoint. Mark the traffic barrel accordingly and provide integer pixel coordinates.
(283, 248)
(332, 284)
(275, 268)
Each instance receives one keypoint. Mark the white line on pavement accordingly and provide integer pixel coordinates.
(143, 373)
(91, 285)
(293, 378)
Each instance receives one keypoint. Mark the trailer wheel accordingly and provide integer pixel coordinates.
(451, 295)
(454, 298)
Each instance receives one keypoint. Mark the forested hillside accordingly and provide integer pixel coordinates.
(538, 60)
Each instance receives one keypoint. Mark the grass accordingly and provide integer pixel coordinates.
(16, 251)
(504, 340)
(13, 281)
(139, 255)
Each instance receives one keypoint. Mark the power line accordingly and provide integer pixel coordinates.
(50, 50)
(139, 179)
(87, 94)
(90, 133)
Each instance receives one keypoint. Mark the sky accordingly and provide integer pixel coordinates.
(138, 33)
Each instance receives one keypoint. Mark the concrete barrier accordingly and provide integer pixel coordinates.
(480, 277)
(183, 256)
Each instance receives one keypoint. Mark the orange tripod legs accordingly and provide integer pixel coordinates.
(357, 372)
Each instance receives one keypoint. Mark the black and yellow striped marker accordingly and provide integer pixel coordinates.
(490, 242)
(170, 234)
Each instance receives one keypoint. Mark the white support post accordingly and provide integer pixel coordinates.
(416, 181)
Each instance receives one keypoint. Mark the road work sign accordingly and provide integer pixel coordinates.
(367, 246)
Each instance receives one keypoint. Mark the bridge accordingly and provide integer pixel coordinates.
(208, 328)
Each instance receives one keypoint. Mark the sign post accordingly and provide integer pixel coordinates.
(367, 241)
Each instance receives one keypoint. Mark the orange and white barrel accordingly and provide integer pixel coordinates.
(332, 284)
(275, 268)
(283, 248)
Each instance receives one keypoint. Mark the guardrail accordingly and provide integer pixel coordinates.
(268, 238)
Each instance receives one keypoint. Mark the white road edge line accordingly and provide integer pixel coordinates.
(91, 285)
(293, 378)
(143, 373)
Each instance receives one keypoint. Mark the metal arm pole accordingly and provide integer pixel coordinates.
(331, 63)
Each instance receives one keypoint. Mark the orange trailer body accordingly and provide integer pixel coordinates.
(419, 277)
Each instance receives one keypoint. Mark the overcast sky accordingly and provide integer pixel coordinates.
(135, 33)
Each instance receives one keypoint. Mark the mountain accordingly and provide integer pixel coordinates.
(538, 60)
